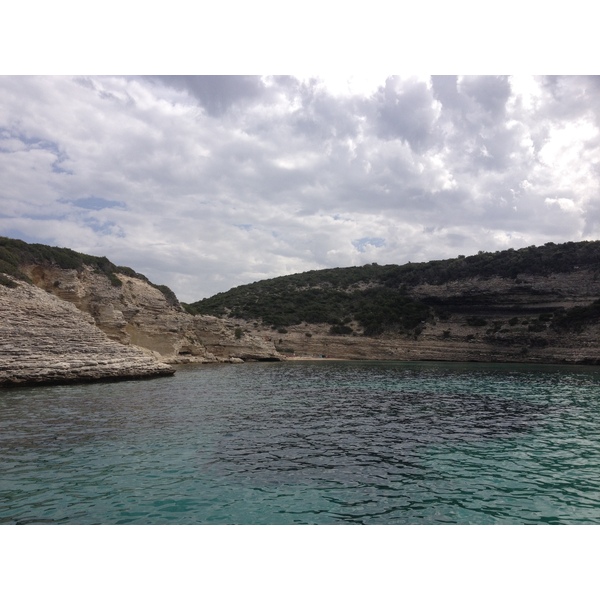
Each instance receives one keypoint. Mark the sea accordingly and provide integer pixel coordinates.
(308, 442)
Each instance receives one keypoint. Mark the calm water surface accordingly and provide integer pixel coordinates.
(308, 442)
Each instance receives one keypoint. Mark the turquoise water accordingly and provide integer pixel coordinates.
(308, 442)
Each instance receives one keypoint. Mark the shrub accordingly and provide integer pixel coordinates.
(115, 280)
(340, 329)
(476, 321)
(578, 317)
(167, 292)
(7, 282)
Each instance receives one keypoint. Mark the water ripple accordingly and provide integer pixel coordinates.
(340, 442)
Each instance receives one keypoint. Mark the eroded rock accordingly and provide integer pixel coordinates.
(44, 339)
(139, 314)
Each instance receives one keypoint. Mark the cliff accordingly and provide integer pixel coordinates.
(46, 340)
(539, 304)
(484, 320)
(134, 312)
(67, 316)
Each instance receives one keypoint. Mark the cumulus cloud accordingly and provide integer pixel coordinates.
(204, 183)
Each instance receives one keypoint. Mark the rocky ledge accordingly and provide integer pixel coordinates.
(136, 313)
(44, 339)
(481, 319)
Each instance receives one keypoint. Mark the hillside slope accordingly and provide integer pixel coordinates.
(46, 340)
(538, 304)
(126, 306)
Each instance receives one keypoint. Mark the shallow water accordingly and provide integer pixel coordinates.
(308, 442)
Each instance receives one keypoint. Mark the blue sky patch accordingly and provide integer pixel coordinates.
(16, 233)
(95, 203)
(104, 227)
(362, 243)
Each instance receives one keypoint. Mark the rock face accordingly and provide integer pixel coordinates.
(137, 313)
(86, 323)
(481, 319)
(44, 339)
(236, 340)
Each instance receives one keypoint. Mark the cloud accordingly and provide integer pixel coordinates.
(217, 93)
(489, 93)
(406, 110)
(204, 183)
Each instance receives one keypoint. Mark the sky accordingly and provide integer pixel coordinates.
(204, 183)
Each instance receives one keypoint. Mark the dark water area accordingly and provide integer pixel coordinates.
(308, 443)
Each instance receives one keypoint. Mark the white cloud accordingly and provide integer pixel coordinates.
(568, 205)
(204, 184)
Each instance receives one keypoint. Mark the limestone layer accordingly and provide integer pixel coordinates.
(137, 313)
(481, 319)
(44, 339)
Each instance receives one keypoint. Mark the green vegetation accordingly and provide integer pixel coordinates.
(340, 330)
(5, 281)
(167, 292)
(279, 303)
(15, 254)
(476, 321)
(384, 309)
(533, 260)
(576, 318)
(369, 300)
(114, 279)
(378, 298)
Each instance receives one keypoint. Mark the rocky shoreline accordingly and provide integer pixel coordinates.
(79, 325)
(489, 319)
(75, 326)
(45, 340)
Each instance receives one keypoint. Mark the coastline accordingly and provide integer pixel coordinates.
(46, 341)
(316, 358)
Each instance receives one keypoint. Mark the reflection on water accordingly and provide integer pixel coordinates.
(332, 442)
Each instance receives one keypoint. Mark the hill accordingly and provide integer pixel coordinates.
(537, 303)
(382, 298)
(69, 317)
(15, 254)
